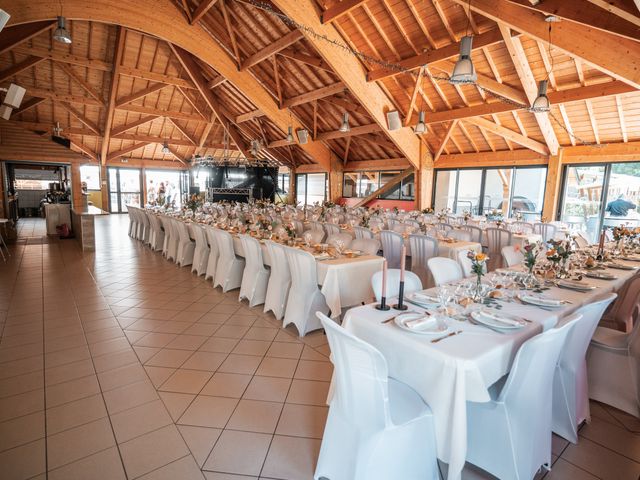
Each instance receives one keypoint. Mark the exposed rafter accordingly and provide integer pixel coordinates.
(314, 95)
(203, 8)
(113, 91)
(510, 135)
(13, 36)
(338, 9)
(280, 44)
(25, 64)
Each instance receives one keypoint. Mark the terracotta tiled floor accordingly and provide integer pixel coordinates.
(119, 364)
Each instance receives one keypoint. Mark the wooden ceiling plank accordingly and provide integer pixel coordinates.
(280, 44)
(542, 48)
(567, 123)
(59, 56)
(346, 151)
(176, 155)
(217, 81)
(205, 133)
(621, 8)
(154, 87)
(126, 150)
(230, 31)
(497, 121)
(155, 77)
(201, 10)
(84, 149)
(306, 59)
(468, 136)
(621, 119)
(445, 139)
(444, 20)
(160, 113)
(510, 134)
(113, 91)
(317, 94)
(521, 64)
(27, 105)
(135, 124)
(84, 120)
(62, 97)
(340, 8)
(599, 49)
(86, 86)
(25, 64)
(423, 27)
(276, 76)
(191, 101)
(184, 132)
(246, 117)
(15, 35)
(152, 139)
(592, 120)
(416, 89)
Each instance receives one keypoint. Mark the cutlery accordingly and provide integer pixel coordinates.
(473, 322)
(436, 340)
(395, 316)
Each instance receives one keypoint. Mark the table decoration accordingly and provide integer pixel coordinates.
(478, 263)
(383, 297)
(403, 259)
(530, 252)
(558, 254)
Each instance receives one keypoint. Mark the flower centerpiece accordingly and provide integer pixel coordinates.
(442, 215)
(558, 253)
(530, 252)
(466, 216)
(478, 265)
(194, 202)
(495, 216)
(427, 211)
(620, 234)
(290, 231)
(365, 221)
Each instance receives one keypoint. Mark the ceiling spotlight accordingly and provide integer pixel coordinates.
(62, 34)
(290, 138)
(551, 19)
(421, 127)
(165, 148)
(541, 103)
(255, 148)
(344, 128)
(463, 72)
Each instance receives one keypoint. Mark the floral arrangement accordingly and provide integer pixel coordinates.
(365, 221)
(291, 230)
(466, 216)
(518, 215)
(478, 262)
(396, 210)
(495, 216)
(194, 202)
(427, 211)
(442, 214)
(621, 232)
(530, 252)
(559, 250)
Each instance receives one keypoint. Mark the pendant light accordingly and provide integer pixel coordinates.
(541, 103)
(165, 148)
(61, 34)
(290, 138)
(344, 128)
(463, 71)
(421, 127)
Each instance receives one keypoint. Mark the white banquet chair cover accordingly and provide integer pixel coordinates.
(377, 428)
(362, 232)
(546, 230)
(279, 280)
(444, 270)
(174, 240)
(201, 252)
(369, 246)
(391, 247)
(570, 390)
(331, 229)
(133, 224)
(613, 365)
(186, 246)
(476, 233)
(156, 240)
(466, 264)
(145, 227)
(299, 226)
(255, 277)
(496, 239)
(166, 226)
(230, 267)
(212, 262)
(305, 298)
(345, 237)
(423, 248)
(316, 235)
(510, 436)
(511, 256)
(412, 283)
(459, 235)
(315, 225)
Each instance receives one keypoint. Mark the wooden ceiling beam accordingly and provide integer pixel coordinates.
(587, 14)
(350, 71)
(29, 104)
(437, 55)
(417, 88)
(161, 113)
(443, 143)
(136, 123)
(84, 120)
(622, 8)
(317, 94)
(155, 77)
(126, 150)
(280, 44)
(355, 131)
(217, 81)
(245, 117)
(86, 86)
(25, 64)
(61, 97)
(176, 155)
(58, 56)
(510, 135)
(306, 59)
(230, 32)
(12, 36)
(154, 87)
(118, 52)
(200, 11)
(621, 119)
(530, 86)
(338, 9)
(184, 132)
(84, 149)
(599, 49)
(345, 105)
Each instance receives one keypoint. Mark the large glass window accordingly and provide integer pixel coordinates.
(479, 191)
(163, 186)
(350, 185)
(90, 174)
(394, 193)
(363, 184)
(124, 188)
(311, 188)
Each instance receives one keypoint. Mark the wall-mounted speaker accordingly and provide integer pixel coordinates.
(14, 95)
(303, 136)
(4, 18)
(393, 120)
(5, 112)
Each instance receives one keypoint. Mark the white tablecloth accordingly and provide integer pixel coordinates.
(452, 249)
(447, 374)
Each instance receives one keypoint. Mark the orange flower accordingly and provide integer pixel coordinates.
(516, 247)
(481, 257)
(551, 252)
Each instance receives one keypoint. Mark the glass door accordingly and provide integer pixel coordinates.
(124, 188)
(582, 198)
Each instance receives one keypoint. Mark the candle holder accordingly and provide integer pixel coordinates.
(400, 305)
(383, 304)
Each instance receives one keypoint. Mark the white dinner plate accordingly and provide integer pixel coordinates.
(431, 326)
(601, 275)
(498, 320)
(539, 301)
(575, 285)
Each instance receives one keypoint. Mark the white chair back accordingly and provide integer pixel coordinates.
(512, 256)
(423, 248)
(316, 235)
(331, 229)
(255, 276)
(465, 263)
(444, 270)
(201, 253)
(524, 227)
(362, 232)
(496, 239)
(459, 235)
(369, 246)
(344, 237)
(412, 283)
(212, 262)
(279, 280)
(391, 247)
(476, 233)
(546, 230)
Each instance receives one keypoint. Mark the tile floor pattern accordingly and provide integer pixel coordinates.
(121, 365)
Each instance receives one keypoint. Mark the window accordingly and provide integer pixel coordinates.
(479, 191)
(394, 193)
(363, 184)
(164, 186)
(311, 188)
(90, 174)
(283, 183)
(407, 188)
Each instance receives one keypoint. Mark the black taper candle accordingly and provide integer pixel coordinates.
(400, 305)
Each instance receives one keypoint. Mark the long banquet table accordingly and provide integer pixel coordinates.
(462, 368)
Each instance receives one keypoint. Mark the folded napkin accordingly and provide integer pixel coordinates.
(421, 297)
(500, 319)
(419, 323)
(545, 301)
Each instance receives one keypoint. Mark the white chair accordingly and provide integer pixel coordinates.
(459, 235)
(362, 232)
(511, 256)
(570, 390)
(377, 428)
(166, 227)
(304, 297)
(212, 262)
(466, 265)
(331, 229)
(613, 361)
(156, 239)
(444, 270)
(145, 226)
(443, 227)
(313, 225)
(368, 246)
(229, 267)
(476, 233)
(496, 238)
(255, 277)
(316, 235)
(186, 246)
(344, 237)
(391, 247)
(581, 240)
(546, 230)
(174, 240)
(299, 226)
(423, 248)
(133, 223)
(201, 252)
(510, 436)
(279, 280)
(412, 283)
(524, 227)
